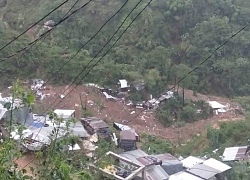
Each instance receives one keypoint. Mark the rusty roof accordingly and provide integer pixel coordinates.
(165, 157)
(127, 134)
(95, 123)
(148, 160)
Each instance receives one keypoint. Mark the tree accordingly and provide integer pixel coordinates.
(182, 74)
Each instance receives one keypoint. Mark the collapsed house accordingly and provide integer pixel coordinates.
(14, 110)
(39, 130)
(37, 85)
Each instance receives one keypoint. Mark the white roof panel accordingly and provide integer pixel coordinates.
(216, 165)
(64, 113)
(124, 127)
(191, 161)
(234, 153)
(184, 176)
(124, 83)
(216, 105)
(230, 153)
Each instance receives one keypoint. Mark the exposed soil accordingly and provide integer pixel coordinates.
(112, 111)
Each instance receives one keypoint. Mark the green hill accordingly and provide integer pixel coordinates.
(163, 44)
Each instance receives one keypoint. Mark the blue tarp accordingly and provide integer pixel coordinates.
(38, 124)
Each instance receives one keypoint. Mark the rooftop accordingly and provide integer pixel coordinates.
(95, 122)
(128, 135)
(203, 171)
(191, 161)
(184, 176)
(122, 127)
(235, 153)
(140, 157)
(64, 113)
(124, 83)
(216, 105)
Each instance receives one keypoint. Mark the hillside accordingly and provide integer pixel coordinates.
(168, 39)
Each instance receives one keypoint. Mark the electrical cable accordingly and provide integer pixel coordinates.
(47, 32)
(33, 25)
(51, 31)
(79, 50)
(100, 52)
(92, 39)
(201, 63)
(114, 43)
(55, 27)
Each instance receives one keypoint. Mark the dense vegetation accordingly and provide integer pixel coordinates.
(162, 45)
(169, 39)
(177, 112)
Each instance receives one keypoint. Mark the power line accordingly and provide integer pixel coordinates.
(111, 46)
(97, 55)
(33, 25)
(201, 63)
(101, 51)
(79, 50)
(31, 44)
(92, 39)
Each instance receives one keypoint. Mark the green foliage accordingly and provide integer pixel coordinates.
(188, 114)
(244, 101)
(229, 134)
(183, 33)
(153, 145)
(197, 145)
(172, 111)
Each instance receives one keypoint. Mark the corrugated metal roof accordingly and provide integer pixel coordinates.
(169, 163)
(165, 157)
(184, 176)
(203, 171)
(124, 127)
(191, 161)
(235, 153)
(95, 122)
(77, 129)
(147, 160)
(156, 172)
(217, 165)
(133, 155)
(128, 135)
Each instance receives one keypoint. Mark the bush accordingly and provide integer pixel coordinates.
(188, 114)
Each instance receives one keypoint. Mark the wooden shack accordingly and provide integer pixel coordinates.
(127, 140)
(94, 125)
